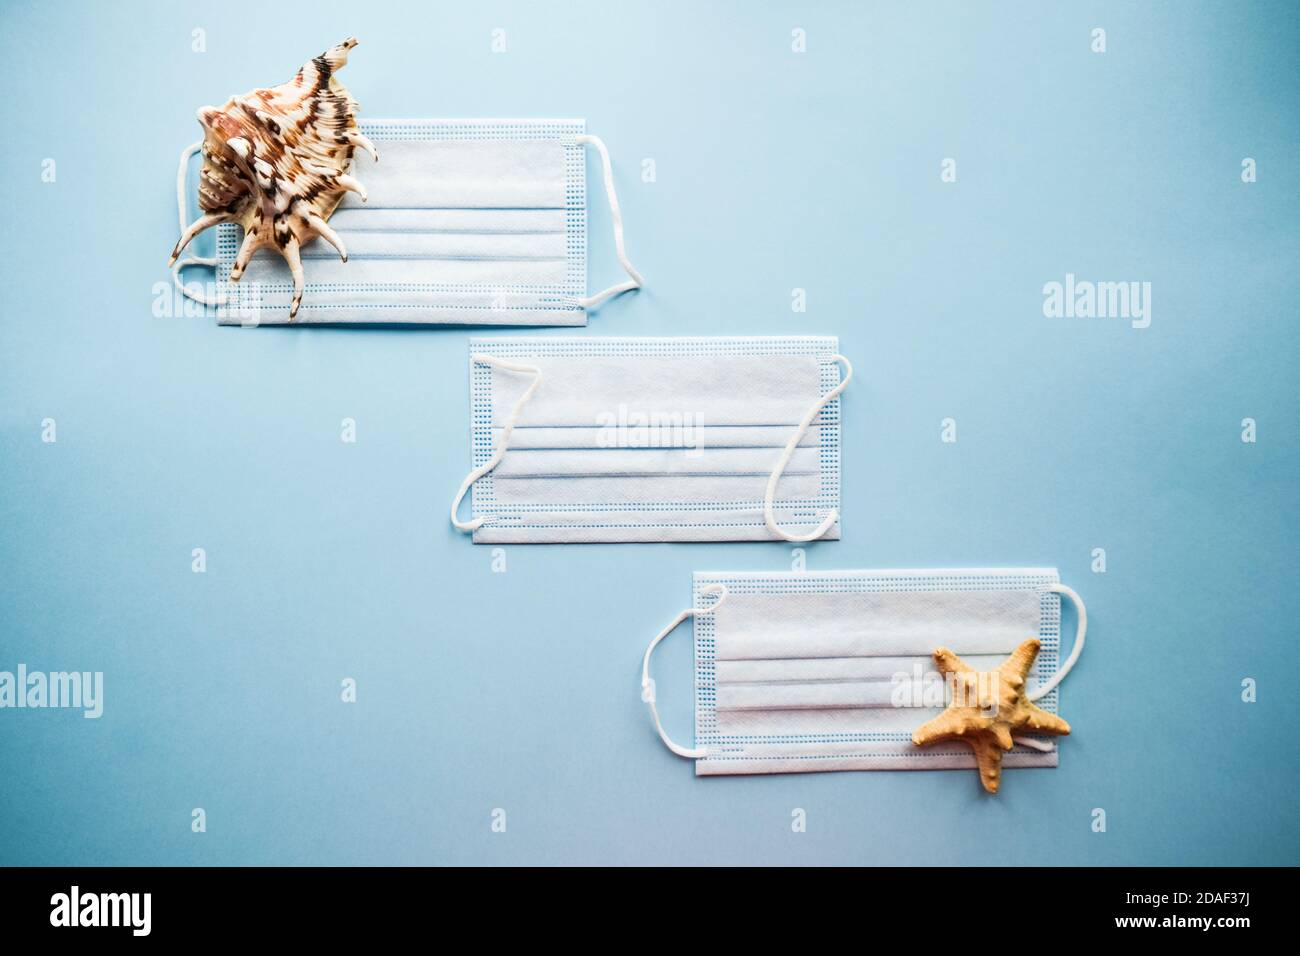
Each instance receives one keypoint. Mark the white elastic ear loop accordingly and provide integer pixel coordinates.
(648, 684)
(617, 217)
(196, 293)
(769, 499)
(506, 432)
(1079, 635)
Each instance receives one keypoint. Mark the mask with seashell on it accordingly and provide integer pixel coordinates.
(276, 161)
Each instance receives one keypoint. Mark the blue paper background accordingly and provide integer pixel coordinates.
(776, 170)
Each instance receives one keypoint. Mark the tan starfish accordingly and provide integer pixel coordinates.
(987, 708)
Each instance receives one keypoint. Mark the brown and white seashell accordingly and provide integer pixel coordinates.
(276, 161)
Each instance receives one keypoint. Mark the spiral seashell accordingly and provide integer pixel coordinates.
(276, 161)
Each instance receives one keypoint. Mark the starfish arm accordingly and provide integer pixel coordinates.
(1043, 722)
(989, 759)
(949, 663)
(1021, 659)
(1002, 735)
(948, 724)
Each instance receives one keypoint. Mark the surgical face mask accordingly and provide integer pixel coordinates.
(677, 439)
(796, 672)
(466, 222)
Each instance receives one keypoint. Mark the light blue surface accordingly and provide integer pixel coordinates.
(775, 170)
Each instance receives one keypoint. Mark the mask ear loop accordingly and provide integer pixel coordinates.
(616, 216)
(506, 432)
(769, 498)
(648, 684)
(195, 294)
(1045, 689)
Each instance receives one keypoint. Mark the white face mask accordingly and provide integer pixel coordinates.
(678, 439)
(798, 672)
(466, 222)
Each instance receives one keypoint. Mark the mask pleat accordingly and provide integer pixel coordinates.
(630, 491)
(462, 174)
(356, 220)
(621, 394)
(270, 271)
(362, 246)
(703, 436)
(813, 670)
(651, 462)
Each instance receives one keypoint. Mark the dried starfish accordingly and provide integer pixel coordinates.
(987, 708)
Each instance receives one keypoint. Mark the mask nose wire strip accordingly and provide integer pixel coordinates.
(616, 216)
(1079, 635)
(769, 499)
(648, 684)
(179, 264)
(506, 432)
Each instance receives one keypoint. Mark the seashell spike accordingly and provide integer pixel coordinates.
(277, 162)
